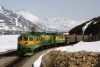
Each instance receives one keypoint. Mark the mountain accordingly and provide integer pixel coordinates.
(27, 15)
(91, 27)
(63, 25)
(41, 25)
(12, 21)
(55, 24)
(21, 20)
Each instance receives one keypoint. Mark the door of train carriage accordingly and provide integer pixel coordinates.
(53, 39)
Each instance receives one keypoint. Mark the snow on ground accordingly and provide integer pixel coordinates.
(9, 42)
(86, 46)
(82, 46)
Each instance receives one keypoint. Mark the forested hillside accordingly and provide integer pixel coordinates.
(91, 27)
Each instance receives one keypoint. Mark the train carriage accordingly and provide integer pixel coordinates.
(47, 39)
(79, 38)
(70, 38)
(86, 37)
(60, 39)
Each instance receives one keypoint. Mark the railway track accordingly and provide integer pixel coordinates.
(9, 53)
(11, 59)
(18, 62)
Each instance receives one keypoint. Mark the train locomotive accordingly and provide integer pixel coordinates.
(28, 43)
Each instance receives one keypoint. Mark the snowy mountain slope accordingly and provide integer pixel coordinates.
(40, 23)
(27, 15)
(55, 24)
(64, 25)
(12, 21)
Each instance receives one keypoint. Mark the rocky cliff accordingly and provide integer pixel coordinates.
(70, 59)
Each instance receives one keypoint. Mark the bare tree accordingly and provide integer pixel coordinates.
(32, 28)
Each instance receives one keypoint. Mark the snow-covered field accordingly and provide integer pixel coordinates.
(9, 42)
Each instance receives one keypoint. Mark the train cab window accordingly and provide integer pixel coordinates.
(25, 38)
(30, 39)
(20, 38)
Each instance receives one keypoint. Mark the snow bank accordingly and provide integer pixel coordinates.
(85, 46)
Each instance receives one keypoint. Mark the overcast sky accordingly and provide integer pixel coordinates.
(47, 9)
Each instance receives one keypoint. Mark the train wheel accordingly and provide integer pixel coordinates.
(42, 47)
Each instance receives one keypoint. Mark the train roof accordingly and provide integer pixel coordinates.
(29, 35)
(42, 33)
(76, 35)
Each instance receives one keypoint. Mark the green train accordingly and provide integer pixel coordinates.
(28, 43)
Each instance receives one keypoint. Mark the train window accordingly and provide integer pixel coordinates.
(20, 38)
(68, 38)
(25, 38)
(30, 39)
(41, 39)
(37, 39)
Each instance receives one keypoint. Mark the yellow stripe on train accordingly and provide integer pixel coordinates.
(34, 41)
(60, 38)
